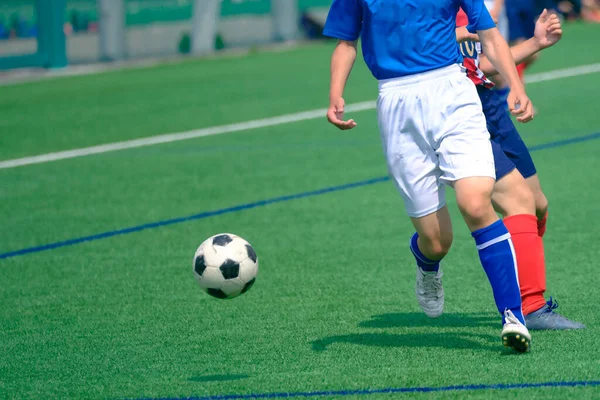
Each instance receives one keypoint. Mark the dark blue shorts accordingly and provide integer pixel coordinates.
(505, 136)
(501, 161)
(521, 19)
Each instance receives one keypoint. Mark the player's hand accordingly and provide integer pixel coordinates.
(548, 30)
(520, 106)
(335, 115)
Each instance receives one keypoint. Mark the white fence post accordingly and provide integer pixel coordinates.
(205, 19)
(113, 42)
(285, 19)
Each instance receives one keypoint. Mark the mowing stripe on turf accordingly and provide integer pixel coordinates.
(248, 125)
(247, 206)
(359, 392)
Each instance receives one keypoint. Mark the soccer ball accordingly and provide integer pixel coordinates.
(225, 266)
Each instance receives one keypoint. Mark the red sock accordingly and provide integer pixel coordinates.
(529, 250)
(521, 69)
(542, 225)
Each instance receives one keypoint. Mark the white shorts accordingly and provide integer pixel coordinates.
(502, 18)
(433, 132)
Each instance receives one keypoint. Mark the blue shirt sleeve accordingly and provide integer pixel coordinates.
(344, 20)
(479, 17)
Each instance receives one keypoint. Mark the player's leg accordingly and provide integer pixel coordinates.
(497, 255)
(541, 202)
(413, 165)
(527, 232)
(514, 200)
(466, 160)
(429, 244)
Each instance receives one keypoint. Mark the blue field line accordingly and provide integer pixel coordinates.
(201, 215)
(565, 142)
(363, 392)
(206, 214)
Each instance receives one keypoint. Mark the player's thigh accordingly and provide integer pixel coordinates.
(435, 231)
(411, 161)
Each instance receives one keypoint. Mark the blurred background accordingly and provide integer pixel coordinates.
(54, 33)
(109, 181)
(32, 31)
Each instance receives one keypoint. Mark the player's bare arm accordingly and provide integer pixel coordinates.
(548, 31)
(342, 61)
(496, 9)
(497, 51)
(463, 35)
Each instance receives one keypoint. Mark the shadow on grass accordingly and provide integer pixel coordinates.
(418, 319)
(447, 340)
(442, 340)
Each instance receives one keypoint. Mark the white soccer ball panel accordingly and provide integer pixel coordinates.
(200, 249)
(214, 256)
(211, 278)
(248, 270)
(237, 250)
(232, 287)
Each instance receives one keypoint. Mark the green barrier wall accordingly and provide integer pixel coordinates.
(51, 49)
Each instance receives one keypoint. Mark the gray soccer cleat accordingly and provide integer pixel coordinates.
(430, 292)
(514, 334)
(546, 319)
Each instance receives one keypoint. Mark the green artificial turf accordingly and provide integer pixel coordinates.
(333, 307)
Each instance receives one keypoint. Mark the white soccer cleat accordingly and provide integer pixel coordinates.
(430, 292)
(514, 334)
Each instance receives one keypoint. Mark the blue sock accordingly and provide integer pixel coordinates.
(497, 256)
(425, 263)
(503, 93)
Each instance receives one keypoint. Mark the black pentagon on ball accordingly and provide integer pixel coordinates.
(230, 269)
(199, 265)
(222, 240)
(251, 253)
(218, 293)
(248, 285)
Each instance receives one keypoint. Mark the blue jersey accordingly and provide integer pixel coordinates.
(404, 37)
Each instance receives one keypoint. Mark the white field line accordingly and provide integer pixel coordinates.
(563, 73)
(248, 125)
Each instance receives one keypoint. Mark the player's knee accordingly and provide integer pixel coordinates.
(524, 199)
(438, 249)
(475, 208)
(445, 244)
(541, 204)
(436, 246)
